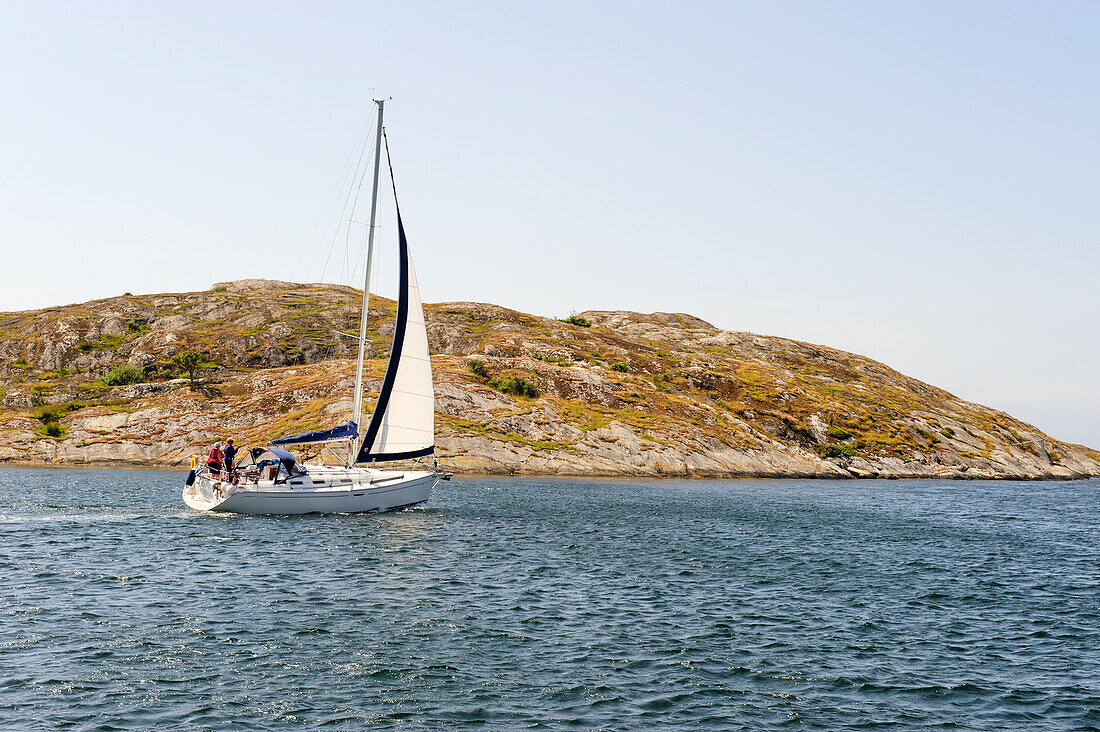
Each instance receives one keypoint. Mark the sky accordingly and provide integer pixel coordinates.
(911, 181)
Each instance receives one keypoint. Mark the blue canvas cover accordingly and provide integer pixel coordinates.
(339, 432)
(283, 455)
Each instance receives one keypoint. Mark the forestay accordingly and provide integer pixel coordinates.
(403, 423)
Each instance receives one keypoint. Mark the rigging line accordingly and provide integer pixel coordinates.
(344, 210)
(359, 254)
(332, 223)
(347, 234)
(343, 171)
(337, 219)
(356, 248)
(345, 175)
(347, 213)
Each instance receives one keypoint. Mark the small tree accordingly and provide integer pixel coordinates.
(189, 362)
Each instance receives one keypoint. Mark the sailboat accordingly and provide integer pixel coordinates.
(270, 480)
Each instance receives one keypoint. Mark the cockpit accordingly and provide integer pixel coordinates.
(270, 463)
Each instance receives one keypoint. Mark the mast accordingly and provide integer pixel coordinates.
(357, 402)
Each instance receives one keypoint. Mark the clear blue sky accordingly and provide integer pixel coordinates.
(916, 182)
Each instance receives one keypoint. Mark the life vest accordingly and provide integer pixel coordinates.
(214, 459)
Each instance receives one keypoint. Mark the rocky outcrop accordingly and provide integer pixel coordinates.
(663, 394)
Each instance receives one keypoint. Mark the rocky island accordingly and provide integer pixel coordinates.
(153, 379)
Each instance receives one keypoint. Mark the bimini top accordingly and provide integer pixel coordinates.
(339, 432)
(282, 456)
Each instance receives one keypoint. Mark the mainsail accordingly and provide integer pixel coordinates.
(403, 423)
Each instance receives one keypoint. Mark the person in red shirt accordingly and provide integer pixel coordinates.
(214, 461)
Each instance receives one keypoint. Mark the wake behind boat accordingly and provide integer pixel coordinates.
(402, 426)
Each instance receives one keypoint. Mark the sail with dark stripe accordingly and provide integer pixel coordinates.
(403, 423)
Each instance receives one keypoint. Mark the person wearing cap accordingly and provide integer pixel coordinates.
(230, 453)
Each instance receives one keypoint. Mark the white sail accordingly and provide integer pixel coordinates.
(403, 423)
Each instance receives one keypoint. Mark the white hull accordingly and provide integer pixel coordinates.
(323, 490)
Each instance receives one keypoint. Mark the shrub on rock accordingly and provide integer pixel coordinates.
(124, 375)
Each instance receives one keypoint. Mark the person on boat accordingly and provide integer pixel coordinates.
(214, 460)
(229, 453)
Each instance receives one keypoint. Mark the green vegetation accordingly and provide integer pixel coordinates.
(555, 360)
(137, 328)
(61, 373)
(586, 417)
(106, 342)
(124, 375)
(516, 385)
(620, 367)
(660, 382)
(478, 369)
(49, 417)
(55, 412)
(485, 427)
(839, 434)
(189, 362)
(829, 451)
(799, 429)
(930, 437)
(947, 432)
(49, 414)
(158, 372)
(575, 319)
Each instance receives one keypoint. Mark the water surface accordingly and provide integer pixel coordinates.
(516, 603)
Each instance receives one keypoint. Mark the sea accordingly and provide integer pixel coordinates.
(531, 603)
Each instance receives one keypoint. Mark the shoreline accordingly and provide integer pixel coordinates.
(122, 465)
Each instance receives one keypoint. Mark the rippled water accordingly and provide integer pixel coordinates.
(509, 603)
